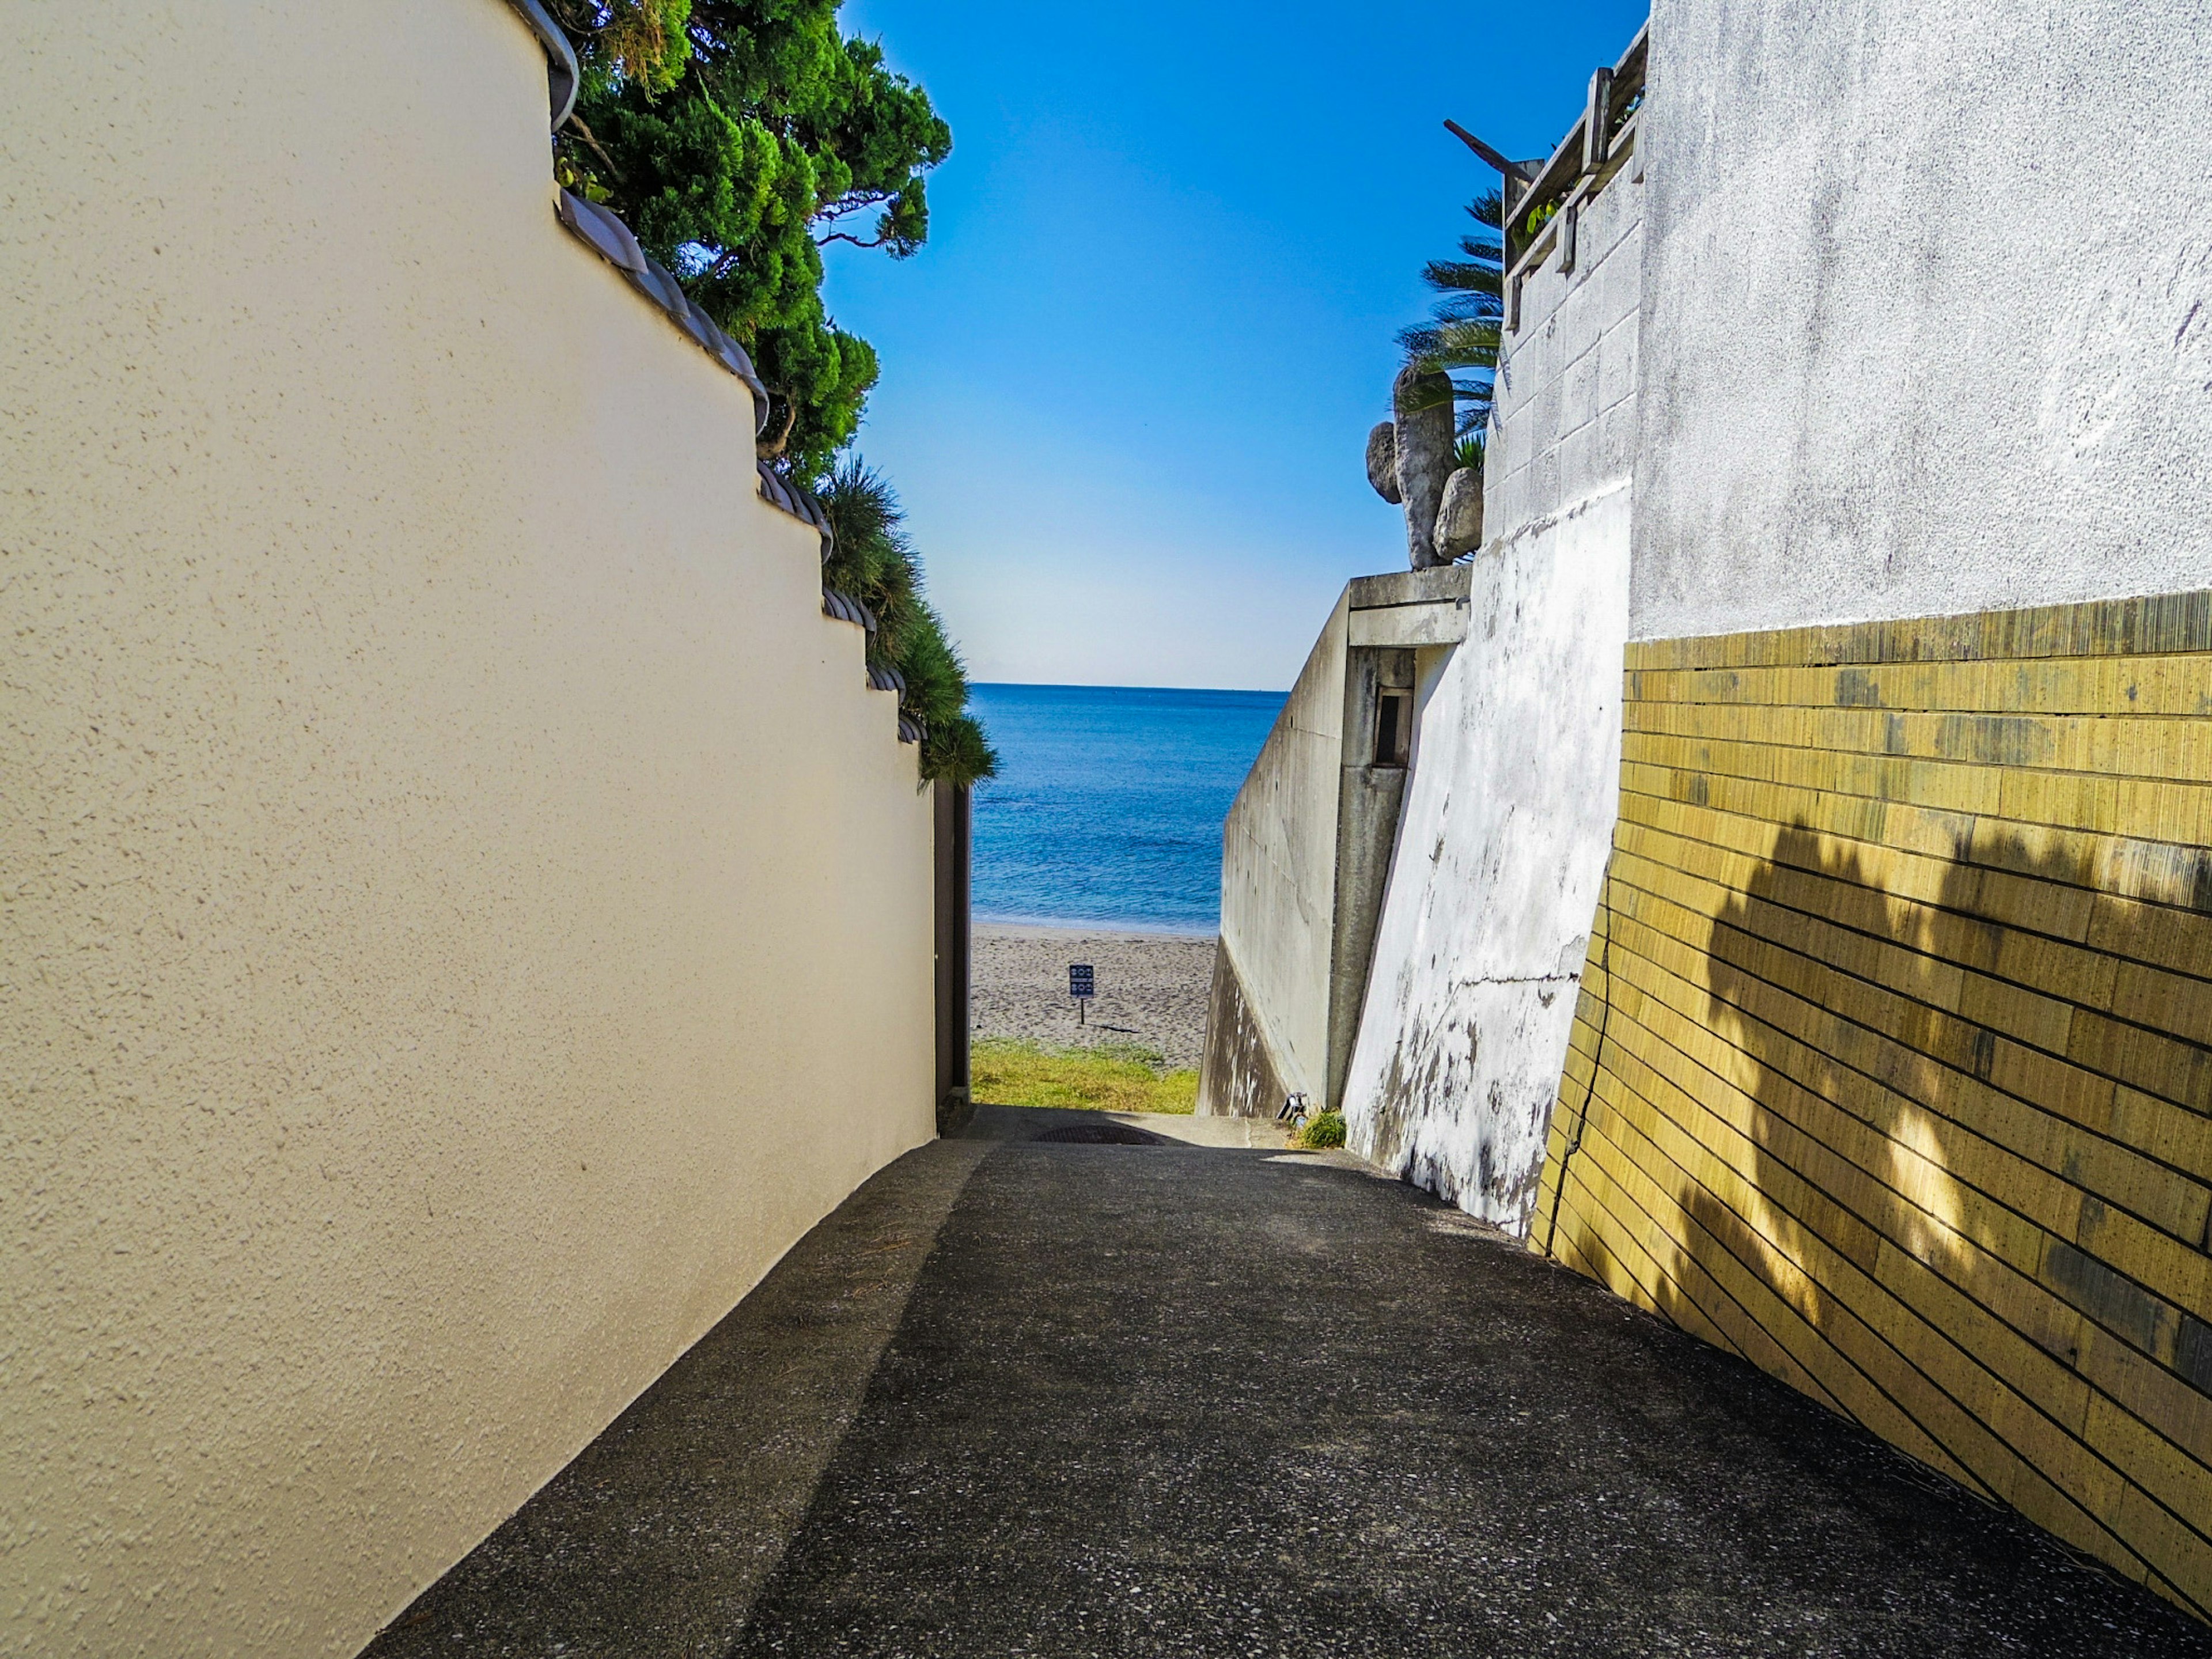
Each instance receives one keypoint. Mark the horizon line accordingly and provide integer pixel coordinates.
(1094, 685)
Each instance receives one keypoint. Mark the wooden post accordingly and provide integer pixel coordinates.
(954, 820)
(1597, 119)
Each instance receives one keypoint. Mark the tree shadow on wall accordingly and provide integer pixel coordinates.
(1890, 1181)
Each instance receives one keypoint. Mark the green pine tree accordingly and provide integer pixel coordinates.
(738, 138)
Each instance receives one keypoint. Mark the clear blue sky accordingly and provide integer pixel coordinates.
(1126, 383)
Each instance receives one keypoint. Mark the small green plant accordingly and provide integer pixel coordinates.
(874, 562)
(1111, 1077)
(1321, 1130)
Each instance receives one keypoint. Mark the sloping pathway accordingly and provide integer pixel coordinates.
(1026, 1398)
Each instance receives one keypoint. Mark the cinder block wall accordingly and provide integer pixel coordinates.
(1890, 1069)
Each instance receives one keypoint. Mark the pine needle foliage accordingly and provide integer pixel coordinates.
(1462, 335)
(876, 563)
(738, 138)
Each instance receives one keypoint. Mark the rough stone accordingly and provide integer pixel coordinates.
(1459, 519)
(1422, 399)
(1383, 461)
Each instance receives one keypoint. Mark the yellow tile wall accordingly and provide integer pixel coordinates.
(1890, 1068)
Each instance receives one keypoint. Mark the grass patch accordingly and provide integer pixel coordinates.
(1112, 1078)
(1324, 1129)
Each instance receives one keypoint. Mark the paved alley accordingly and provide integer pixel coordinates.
(1024, 1397)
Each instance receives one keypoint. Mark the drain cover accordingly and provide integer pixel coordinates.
(1100, 1134)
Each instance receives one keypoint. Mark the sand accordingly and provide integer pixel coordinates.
(1151, 987)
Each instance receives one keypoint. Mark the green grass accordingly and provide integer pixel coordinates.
(1324, 1130)
(1112, 1078)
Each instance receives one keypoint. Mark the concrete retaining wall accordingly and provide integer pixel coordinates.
(1500, 853)
(1278, 897)
(1510, 808)
(1308, 850)
(466, 914)
(1927, 321)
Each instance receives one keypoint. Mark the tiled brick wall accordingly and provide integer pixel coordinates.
(1889, 1068)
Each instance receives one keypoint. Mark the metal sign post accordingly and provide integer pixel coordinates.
(1080, 985)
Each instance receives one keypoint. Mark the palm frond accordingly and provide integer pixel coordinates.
(1456, 277)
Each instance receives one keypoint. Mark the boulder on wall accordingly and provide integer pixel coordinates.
(1422, 400)
(1459, 519)
(1383, 461)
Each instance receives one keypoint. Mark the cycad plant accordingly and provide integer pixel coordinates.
(1461, 338)
(875, 562)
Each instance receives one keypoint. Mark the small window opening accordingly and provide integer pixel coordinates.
(1393, 727)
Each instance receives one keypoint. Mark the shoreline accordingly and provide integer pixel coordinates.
(1026, 927)
(1152, 986)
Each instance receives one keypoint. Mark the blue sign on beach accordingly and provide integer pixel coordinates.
(1079, 980)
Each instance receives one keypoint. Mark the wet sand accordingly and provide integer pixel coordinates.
(1151, 987)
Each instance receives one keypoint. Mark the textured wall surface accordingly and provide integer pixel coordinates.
(1890, 1069)
(1500, 851)
(1509, 810)
(1278, 885)
(1563, 419)
(1236, 1076)
(1927, 321)
(463, 915)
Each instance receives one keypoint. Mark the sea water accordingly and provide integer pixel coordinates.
(1110, 801)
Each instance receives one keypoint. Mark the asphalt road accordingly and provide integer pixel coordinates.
(1059, 1399)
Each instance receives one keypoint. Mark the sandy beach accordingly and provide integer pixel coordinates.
(1151, 987)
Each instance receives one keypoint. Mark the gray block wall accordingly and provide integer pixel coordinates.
(1928, 309)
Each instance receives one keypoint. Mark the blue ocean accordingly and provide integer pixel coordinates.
(1110, 801)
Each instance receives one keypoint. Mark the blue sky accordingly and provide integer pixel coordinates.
(1126, 383)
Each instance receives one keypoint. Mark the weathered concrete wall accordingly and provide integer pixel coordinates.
(1307, 848)
(1279, 884)
(1500, 855)
(1369, 801)
(1510, 810)
(1564, 423)
(1238, 1076)
(1927, 315)
(1891, 1067)
(464, 916)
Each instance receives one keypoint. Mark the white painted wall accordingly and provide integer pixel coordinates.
(1509, 810)
(1927, 309)
(1563, 426)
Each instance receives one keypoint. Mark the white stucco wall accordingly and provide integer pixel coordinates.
(1927, 309)
(1508, 812)
(461, 915)
(1278, 869)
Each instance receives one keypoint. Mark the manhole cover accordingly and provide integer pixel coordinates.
(1100, 1134)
